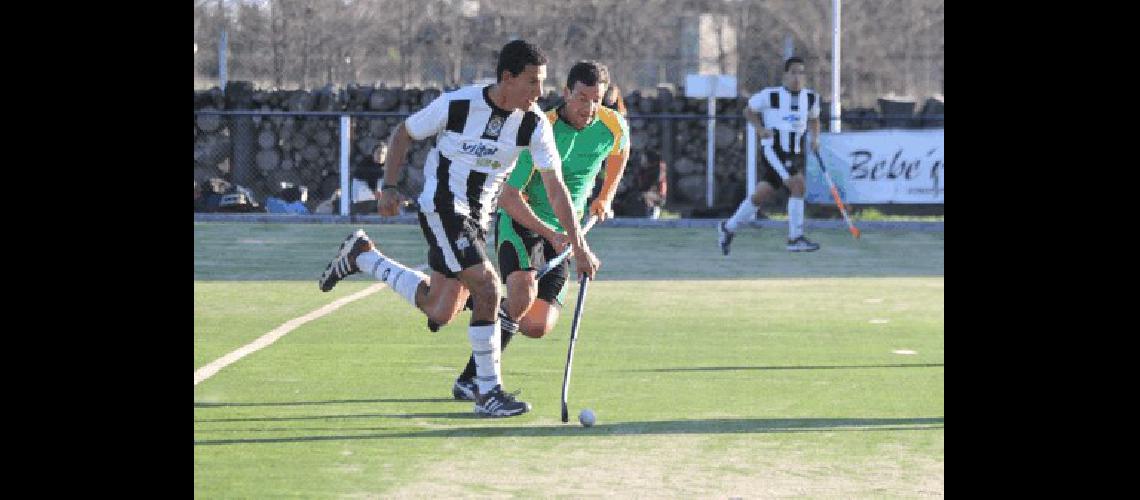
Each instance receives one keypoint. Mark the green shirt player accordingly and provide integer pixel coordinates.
(587, 135)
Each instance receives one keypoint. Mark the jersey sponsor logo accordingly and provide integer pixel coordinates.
(489, 163)
(462, 243)
(599, 149)
(793, 118)
(478, 149)
(494, 125)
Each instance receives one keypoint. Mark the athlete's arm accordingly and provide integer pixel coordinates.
(615, 168)
(388, 200)
(560, 200)
(757, 121)
(422, 124)
(512, 202)
(813, 125)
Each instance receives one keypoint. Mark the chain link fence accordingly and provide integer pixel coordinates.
(283, 147)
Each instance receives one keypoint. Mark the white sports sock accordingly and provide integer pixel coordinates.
(401, 279)
(485, 345)
(795, 218)
(745, 213)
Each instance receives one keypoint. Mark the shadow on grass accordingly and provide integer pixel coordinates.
(331, 402)
(700, 426)
(466, 414)
(734, 368)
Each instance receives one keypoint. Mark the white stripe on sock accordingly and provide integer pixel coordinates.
(485, 346)
(400, 278)
(795, 218)
(407, 283)
(744, 213)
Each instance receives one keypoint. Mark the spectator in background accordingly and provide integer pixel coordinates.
(364, 183)
(290, 200)
(613, 100)
(208, 194)
(219, 195)
(330, 206)
(199, 200)
(649, 184)
(365, 180)
(653, 183)
(610, 99)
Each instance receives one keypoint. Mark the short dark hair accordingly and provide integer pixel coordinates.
(792, 60)
(515, 55)
(590, 73)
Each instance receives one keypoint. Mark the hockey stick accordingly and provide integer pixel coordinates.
(573, 340)
(434, 327)
(556, 261)
(835, 194)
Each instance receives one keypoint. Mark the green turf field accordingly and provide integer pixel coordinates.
(763, 374)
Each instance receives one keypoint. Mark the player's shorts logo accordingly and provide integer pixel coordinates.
(462, 243)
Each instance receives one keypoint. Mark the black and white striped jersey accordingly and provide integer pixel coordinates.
(786, 115)
(476, 146)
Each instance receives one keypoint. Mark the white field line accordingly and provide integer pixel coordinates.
(264, 341)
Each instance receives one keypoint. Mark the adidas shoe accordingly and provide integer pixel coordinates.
(464, 390)
(497, 403)
(802, 244)
(344, 264)
(724, 237)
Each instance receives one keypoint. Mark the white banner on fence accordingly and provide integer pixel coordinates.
(882, 166)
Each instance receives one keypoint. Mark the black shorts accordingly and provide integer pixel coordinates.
(455, 242)
(534, 252)
(796, 165)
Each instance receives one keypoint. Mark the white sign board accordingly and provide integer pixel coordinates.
(882, 166)
(700, 85)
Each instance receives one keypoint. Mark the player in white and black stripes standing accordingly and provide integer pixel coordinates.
(480, 131)
(782, 117)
